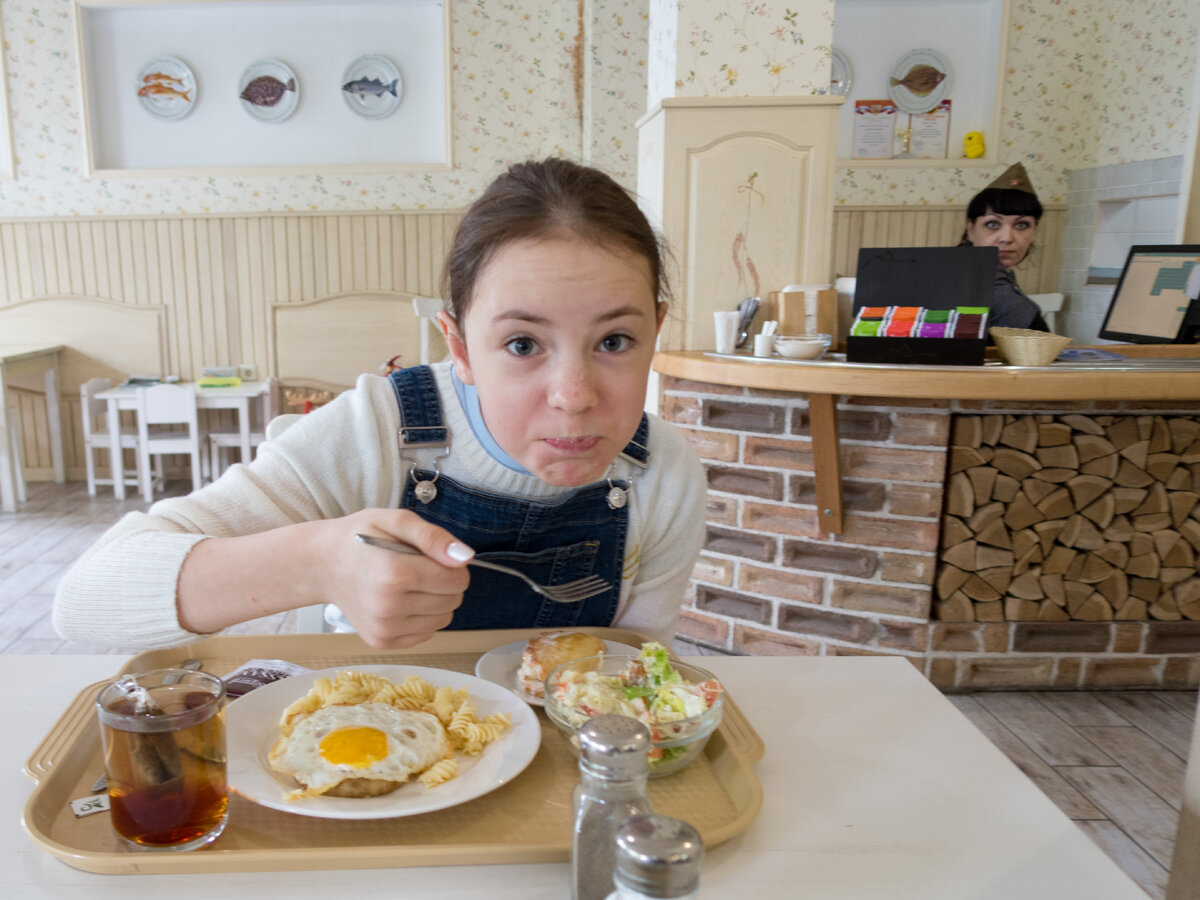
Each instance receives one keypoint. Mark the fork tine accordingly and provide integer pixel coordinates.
(575, 591)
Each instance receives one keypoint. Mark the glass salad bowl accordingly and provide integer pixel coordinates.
(680, 704)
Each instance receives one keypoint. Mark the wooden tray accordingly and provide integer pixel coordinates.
(527, 820)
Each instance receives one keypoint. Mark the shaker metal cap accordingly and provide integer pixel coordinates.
(659, 856)
(614, 747)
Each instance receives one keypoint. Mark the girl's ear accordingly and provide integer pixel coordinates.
(457, 345)
(661, 315)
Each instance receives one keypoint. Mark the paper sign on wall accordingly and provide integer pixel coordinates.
(874, 128)
(931, 132)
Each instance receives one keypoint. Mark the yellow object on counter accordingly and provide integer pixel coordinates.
(973, 145)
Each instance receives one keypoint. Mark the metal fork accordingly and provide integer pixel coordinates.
(571, 592)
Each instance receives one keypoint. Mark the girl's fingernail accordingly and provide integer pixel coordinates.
(459, 552)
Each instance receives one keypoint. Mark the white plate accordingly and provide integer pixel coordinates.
(281, 72)
(178, 83)
(841, 76)
(500, 666)
(372, 86)
(905, 99)
(252, 728)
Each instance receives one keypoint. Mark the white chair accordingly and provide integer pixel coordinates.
(12, 454)
(1049, 304)
(219, 441)
(167, 405)
(426, 309)
(98, 438)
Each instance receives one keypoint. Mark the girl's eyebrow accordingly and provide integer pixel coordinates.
(520, 315)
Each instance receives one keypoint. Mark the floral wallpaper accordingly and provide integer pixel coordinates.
(618, 87)
(746, 48)
(1088, 83)
(514, 85)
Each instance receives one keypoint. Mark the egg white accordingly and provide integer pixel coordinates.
(415, 741)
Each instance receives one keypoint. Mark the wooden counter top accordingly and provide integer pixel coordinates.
(1166, 372)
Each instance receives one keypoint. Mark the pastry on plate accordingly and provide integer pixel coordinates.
(550, 649)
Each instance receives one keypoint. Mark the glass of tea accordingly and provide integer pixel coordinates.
(163, 735)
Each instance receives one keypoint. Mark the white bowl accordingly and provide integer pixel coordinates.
(802, 346)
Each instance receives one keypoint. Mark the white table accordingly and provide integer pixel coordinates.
(125, 397)
(875, 787)
(16, 359)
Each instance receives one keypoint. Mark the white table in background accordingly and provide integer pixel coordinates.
(875, 787)
(16, 359)
(125, 397)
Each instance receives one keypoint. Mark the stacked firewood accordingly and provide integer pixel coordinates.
(1072, 517)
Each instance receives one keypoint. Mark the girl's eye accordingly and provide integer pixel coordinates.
(614, 343)
(521, 346)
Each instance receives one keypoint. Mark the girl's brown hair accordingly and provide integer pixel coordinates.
(553, 198)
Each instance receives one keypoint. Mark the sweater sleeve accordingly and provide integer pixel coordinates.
(337, 460)
(671, 502)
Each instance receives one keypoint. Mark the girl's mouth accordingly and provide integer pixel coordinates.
(573, 444)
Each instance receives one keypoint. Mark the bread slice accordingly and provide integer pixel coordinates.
(549, 650)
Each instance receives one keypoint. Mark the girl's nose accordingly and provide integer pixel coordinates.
(572, 387)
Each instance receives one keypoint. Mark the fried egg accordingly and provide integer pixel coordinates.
(374, 741)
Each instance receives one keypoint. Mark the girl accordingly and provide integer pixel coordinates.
(1005, 215)
(529, 447)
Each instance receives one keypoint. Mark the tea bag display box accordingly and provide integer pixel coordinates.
(940, 279)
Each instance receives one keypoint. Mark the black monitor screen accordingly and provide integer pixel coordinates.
(1150, 302)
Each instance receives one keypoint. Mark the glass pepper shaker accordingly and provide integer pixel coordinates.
(657, 857)
(613, 769)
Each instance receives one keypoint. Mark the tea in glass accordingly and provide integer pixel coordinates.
(163, 735)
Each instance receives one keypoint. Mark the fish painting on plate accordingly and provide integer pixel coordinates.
(267, 90)
(371, 87)
(920, 79)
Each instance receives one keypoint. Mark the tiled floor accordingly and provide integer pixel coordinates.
(1112, 761)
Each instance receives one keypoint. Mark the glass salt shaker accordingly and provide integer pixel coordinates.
(613, 769)
(657, 857)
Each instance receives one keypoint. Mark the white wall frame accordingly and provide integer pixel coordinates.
(218, 39)
(8, 169)
(999, 13)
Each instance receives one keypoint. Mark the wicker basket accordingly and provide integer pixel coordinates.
(1025, 347)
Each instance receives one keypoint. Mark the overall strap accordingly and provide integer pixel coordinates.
(637, 451)
(421, 421)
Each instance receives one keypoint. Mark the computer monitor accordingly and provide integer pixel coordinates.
(1155, 299)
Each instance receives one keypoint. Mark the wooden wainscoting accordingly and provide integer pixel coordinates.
(218, 282)
(855, 227)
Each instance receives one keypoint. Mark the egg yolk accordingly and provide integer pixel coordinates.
(355, 747)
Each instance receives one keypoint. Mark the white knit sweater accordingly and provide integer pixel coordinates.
(345, 457)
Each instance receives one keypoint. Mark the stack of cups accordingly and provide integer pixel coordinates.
(726, 326)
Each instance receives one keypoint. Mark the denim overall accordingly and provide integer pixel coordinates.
(554, 542)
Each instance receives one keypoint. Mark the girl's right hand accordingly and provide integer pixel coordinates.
(393, 600)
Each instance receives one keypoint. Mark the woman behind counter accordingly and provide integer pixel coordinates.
(1005, 215)
(530, 446)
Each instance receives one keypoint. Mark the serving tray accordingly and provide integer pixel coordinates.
(527, 820)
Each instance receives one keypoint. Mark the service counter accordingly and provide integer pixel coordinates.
(1153, 372)
(832, 486)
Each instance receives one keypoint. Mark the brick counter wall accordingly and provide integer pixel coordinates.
(768, 582)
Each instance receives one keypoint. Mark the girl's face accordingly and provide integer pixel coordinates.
(558, 341)
(1010, 235)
